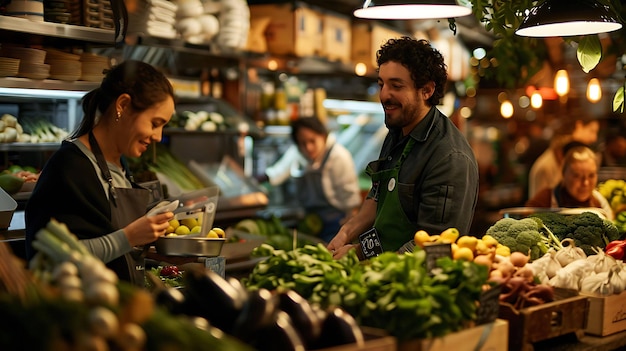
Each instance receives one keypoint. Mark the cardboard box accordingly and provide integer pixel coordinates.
(293, 28)
(607, 314)
(565, 315)
(490, 336)
(337, 37)
(367, 39)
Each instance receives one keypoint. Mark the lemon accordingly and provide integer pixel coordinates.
(189, 222)
(468, 241)
(220, 232)
(182, 230)
(420, 237)
(463, 253)
(450, 235)
(196, 229)
(169, 229)
(212, 234)
(489, 240)
(174, 223)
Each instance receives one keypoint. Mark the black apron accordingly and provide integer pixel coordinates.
(127, 204)
(311, 194)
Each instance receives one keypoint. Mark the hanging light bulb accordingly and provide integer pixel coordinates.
(536, 101)
(551, 18)
(561, 82)
(594, 91)
(411, 9)
(506, 109)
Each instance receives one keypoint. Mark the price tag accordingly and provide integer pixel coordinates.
(434, 252)
(370, 243)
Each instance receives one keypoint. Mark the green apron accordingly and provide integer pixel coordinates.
(392, 224)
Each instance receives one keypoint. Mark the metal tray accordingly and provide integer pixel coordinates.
(189, 246)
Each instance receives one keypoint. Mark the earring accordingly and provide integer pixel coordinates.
(119, 115)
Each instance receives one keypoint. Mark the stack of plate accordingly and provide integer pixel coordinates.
(93, 67)
(63, 65)
(9, 66)
(31, 61)
(57, 11)
(32, 10)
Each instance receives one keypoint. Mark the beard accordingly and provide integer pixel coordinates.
(401, 116)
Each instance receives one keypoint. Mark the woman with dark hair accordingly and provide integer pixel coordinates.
(325, 176)
(85, 183)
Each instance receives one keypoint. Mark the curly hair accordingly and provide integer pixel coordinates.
(423, 61)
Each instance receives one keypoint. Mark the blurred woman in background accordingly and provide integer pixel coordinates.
(324, 173)
(577, 189)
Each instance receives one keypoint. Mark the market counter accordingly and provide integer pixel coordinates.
(569, 342)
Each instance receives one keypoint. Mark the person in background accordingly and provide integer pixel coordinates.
(325, 176)
(546, 170)
(85, 184)
(614, 150)
(577, 188)
(427, 176)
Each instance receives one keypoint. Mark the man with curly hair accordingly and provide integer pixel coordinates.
(427, 175)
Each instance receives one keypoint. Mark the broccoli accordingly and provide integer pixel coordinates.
(519, 235)
(587, 229)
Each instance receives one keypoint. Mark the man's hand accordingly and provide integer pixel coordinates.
(342, 251)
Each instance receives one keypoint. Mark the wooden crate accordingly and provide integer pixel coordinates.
(489, 336)
(293, 29)
(566, 314)
(337, 37)
(607, 314)
(375, 340)
(367, 39)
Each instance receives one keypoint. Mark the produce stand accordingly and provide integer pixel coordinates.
(567, 314)
(489, 336)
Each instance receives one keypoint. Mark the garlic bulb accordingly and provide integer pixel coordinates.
(597, 284)
(569, 253)
(601, 261)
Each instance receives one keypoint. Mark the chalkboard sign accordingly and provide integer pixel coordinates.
(370, 243)
(489, 305)
(434, 252)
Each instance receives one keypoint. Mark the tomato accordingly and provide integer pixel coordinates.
(170, 271)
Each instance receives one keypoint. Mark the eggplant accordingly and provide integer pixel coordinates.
(279, 336)
(303, 316)
(339, 328)
(236, 283)
(209, 295)
(258, 313)
(172, 299)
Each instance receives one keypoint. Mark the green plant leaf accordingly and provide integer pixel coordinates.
(589, 52)
(618, 100)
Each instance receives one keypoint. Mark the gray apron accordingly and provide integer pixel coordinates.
(127, 204)
(311, 194)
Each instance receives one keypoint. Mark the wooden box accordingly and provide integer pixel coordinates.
(607, 314)
(375, 340)
(293, 28)
(566, 314)
(337, 38)
(489, 336)
(367, 39)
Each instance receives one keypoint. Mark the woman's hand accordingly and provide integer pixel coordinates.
(145, 230)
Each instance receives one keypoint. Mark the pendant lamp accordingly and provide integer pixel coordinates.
(416, 9)
(553, 18)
